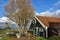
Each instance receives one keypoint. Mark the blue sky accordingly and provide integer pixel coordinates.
(43, 5)
(39, 5)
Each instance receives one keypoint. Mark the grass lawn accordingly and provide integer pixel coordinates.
(2, 31)
(40, 38)
(37, 38)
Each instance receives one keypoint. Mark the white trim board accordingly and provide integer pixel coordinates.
(40, 22)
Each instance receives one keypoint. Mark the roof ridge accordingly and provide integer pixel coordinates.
(49, 16)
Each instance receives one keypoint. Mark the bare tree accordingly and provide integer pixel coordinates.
(19, 11)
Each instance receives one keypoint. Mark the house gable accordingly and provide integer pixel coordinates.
(40, 22)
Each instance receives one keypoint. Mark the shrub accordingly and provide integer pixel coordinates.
(40, 38)
(5, 38)
(54, 38)
(2, 31)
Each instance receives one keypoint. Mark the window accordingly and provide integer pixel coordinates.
(41, 29)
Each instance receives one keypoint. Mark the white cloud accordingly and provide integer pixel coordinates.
(50, 9)
(50, 14)
(46, 13)
(58, 3)
(57, 13)
(11, 23)
(37, 13)
(3, 19)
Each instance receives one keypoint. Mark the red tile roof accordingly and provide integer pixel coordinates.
(45, 20)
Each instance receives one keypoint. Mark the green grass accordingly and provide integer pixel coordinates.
(5, 38)
(40, 38)
(2, 31)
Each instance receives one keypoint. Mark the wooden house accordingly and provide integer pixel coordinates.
(44, 26)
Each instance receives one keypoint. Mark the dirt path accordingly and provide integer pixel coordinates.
(23, 38)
